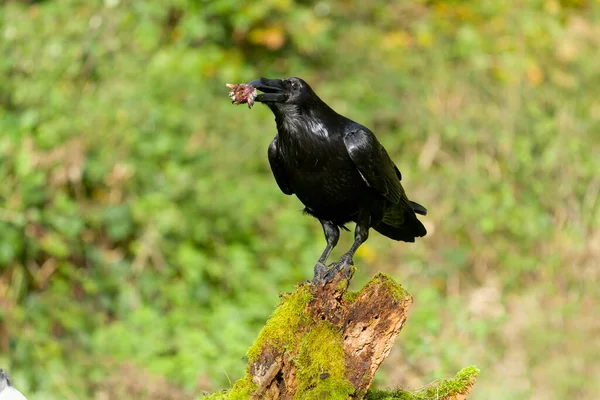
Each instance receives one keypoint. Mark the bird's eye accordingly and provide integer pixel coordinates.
(295, 85)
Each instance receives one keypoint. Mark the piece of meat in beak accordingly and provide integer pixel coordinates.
(242, 93)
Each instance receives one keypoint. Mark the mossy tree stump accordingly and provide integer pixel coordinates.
(324, 342)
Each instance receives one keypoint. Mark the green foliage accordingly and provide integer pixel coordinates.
(438, 390)
(140, 224)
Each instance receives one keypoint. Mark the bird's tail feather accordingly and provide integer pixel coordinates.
(419, 209)
(405, 229)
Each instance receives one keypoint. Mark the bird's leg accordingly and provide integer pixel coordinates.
(361, 234)
(332, 235)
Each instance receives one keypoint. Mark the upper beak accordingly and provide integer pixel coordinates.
(273, 90)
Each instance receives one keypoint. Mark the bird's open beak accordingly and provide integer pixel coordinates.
(273, 90)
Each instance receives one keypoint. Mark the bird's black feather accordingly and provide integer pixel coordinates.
(374, 164)
(278, 168)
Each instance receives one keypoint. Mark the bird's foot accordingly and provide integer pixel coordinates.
(322, 272)
(330, 274)
(325, 274)
(346, 266)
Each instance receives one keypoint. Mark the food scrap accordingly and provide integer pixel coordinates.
(242, 93)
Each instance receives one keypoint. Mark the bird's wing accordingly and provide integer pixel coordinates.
(375, 165)
(278, 168)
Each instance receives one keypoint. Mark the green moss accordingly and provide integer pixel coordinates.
(321, 367)
(351, 296)
(242, 390)
(434, 391)
(394, 288)
(342, 285)
(320, 359)
(281, 330)
(397, 291)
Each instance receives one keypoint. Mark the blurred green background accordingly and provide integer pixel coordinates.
(144, 241)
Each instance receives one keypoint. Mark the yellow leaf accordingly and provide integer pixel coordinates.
(282, 4)
(567, 51)
(552, 7)
(535, 75)
(272, 37)
(425, 39)
(397, 39)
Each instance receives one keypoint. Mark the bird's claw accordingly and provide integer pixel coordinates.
(346, 266)
(324, 274)
(321, 271)
(331, 273)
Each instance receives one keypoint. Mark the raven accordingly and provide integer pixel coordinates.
(338, 170)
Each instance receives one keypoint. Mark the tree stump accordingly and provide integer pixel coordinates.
(324, 342)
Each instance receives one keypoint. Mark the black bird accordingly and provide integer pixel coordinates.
(338, 170)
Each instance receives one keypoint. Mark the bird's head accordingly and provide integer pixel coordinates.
(282, 93)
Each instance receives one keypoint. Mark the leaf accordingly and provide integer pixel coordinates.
(273, 38)
(54, 245)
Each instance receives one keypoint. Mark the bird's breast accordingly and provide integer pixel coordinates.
(327, 182)
(320, 170)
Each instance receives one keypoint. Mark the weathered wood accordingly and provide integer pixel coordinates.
(366, 324)
(370, 323)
